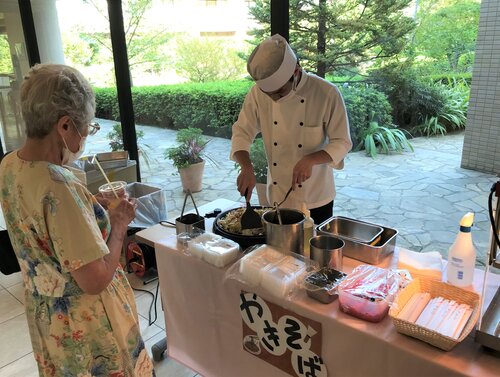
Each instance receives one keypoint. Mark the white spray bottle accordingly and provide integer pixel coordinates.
(462, 255)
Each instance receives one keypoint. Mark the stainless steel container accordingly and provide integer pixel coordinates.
(327, 251)
(371, 254)
(290, 235)
(356, 230)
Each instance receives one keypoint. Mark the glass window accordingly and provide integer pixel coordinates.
(13, 66)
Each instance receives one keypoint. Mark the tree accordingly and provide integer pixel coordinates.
(5, 59)
(204, 60)
(449, 32)
(331, 35)
(144, 42)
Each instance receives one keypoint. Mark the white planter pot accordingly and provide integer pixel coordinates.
(191, 177)
(262, 194)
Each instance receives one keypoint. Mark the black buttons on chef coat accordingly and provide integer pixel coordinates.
(275, 122)
(300, 145)
(301, 101)
(275, 183)
(275, 143)
(301, 123)
(300, 186)
(274, 164)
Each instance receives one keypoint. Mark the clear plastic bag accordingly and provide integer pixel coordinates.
(281, 274)
(322, 284)
(368, 291)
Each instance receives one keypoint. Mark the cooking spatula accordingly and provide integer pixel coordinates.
(250, 219)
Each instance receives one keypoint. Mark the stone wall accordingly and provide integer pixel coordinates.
(481, 149)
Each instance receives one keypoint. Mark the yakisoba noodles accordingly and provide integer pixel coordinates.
(231, 222)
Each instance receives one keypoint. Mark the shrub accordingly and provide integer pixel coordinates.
(384, 139)
(412, 99)
(364, 104)
(452, 115)
(214, 107)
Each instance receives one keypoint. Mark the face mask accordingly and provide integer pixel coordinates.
(69, 157)
(292, 92)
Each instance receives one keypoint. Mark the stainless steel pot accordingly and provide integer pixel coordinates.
(290, 235)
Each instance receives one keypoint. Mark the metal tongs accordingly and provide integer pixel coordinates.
(188, 193)
(276, 206)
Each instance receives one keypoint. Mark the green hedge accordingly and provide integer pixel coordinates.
(214, 107)
(450, 78)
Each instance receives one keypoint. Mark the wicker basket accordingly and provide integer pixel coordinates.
(435, 288)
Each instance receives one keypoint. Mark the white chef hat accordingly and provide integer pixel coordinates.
(272, 63)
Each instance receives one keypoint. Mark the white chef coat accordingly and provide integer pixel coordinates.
(313, 119)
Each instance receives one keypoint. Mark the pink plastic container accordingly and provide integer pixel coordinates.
(360, 307)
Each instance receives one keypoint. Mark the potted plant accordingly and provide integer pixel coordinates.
(187, 157)
(115, 138)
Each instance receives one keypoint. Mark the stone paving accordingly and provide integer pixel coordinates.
(421, 194)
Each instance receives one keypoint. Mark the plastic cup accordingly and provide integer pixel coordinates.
(108, 191)
(327, 251)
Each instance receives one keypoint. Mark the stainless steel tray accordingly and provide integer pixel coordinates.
(355, 230)
(371, 254)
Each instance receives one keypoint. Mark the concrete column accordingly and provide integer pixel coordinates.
(48, 33)
(481, 149)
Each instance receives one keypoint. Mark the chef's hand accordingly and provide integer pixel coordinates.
(246, 182)
(302, 171)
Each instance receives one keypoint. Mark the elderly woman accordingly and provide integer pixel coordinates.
(79, 305)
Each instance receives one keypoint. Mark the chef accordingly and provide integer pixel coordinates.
(304, 125)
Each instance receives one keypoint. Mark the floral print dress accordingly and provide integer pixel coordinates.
(56, 226)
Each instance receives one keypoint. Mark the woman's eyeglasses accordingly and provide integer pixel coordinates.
(93, 128)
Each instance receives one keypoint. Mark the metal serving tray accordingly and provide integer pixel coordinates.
(115, 155)
(355, 230)
(371, 254)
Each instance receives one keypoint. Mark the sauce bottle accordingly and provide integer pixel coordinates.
(308, 230)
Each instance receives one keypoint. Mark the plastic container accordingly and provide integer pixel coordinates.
(462, 255)
(280, 278)
(361, 307)
(109, 190)
(322, 285)
(308, 230)
(213, 249)
(253, 263)
(367, 292)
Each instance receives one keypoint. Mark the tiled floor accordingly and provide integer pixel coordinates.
(16, 356)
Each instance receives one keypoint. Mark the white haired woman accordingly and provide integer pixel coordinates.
(79, 305)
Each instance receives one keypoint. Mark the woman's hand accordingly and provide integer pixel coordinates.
(121, 215)
(102, 200)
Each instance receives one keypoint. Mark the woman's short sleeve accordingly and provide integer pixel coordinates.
(72, 225)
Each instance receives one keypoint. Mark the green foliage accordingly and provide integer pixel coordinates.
(213, 107)
(448, 32)
(189, 150)
(332, 35)
(145, 41)
(364, 103)
(452, 115)
(5, 59)
(384, 139)
(411, 98)
(205, 60)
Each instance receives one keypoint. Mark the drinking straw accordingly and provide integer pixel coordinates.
(94, 159)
